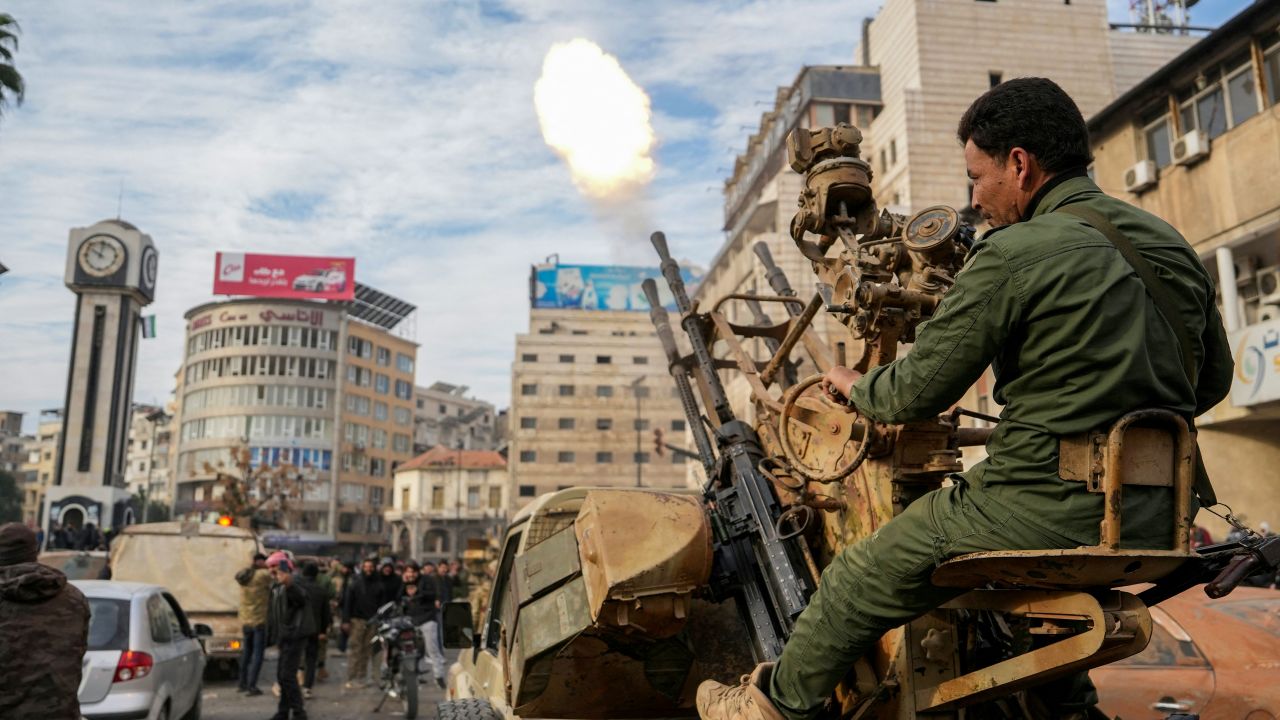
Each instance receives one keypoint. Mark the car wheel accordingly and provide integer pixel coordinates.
(196, 707)
(467, 709)
(164, 712)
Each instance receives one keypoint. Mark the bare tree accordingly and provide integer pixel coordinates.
(262, 493)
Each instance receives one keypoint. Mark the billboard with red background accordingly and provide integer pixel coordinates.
(285, 276)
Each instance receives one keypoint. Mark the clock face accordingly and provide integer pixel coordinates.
(101, 255)
(149, 262)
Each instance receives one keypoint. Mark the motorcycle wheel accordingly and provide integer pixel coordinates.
(409, 685)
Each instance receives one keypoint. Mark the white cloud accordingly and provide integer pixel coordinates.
(409, 124)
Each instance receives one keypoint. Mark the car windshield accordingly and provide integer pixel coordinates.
(108, 624)
(82, 567)
(1262, 613)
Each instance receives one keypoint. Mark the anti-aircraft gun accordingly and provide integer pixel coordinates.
(811, 477)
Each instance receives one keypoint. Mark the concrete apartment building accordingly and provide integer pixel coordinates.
(377, 428)
(444, 416)
(147, 453)
(326, 387)
(41, 463)
(588, 389)
(12, 445)
(445, 497)
(1198, 144)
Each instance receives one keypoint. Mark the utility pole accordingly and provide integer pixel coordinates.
(635, 390)
(457, 531)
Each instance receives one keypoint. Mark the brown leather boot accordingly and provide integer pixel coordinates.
(749, 700)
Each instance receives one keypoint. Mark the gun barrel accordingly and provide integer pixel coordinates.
(776, 278)
(662, 324)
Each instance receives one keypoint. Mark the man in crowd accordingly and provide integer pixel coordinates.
(390, 581)
(44, 630)
(255, 591)
(418, 599)
(289, 623)
(318, 596)
(364, 591)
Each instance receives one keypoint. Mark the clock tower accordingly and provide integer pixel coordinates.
(111, 268)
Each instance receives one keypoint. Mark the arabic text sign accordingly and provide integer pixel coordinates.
(1257, 355)
(600, 287)
(286, 276)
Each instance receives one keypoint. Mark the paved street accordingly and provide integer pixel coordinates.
(331, 701)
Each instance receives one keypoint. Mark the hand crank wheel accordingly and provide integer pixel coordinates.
(832, 428)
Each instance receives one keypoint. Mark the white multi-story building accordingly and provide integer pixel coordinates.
(444, 416)
(445, 497)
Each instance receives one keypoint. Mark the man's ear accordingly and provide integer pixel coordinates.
(1026, 168)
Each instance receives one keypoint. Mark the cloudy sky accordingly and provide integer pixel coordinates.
(399, 132)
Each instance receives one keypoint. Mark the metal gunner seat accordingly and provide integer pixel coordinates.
(1069, 596)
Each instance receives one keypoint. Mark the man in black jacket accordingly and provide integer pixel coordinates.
(318, 596)
(363, 596)
(289, 623)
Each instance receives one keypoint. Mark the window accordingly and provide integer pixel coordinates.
(158, 621)
(641, 391)
(527, 491)
(604, 391)
(677, 459)
(893, 152)
(566, 391)
(384, 357)
(604, 423)
(677, 425)
(404, 498)
(564, 456)
(1158, 137)
(529, 357)
(641, 424)
(437, 498)
(375, 496)
(528, 456)
(1271, 69)
(400, 443)
(442, 409)
(641, 458)
(404, 389)
(404, 363)
(640, 360)
(379, 411)
(473, 497)
(566, 423)
(566, 358)
(604, 457)
(528, 389)
(382, 384)
(1242, 94)
(604, 359)
(403, 416)
(495, 497)
(830, 114)
(994, 78)
(884, 164)
(528, 423)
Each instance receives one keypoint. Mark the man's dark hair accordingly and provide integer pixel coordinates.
(1033, 114)
(259, 556)
(310, 569)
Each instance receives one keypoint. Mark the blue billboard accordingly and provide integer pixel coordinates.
(599, 287)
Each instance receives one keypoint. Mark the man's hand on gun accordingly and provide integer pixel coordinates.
(838, 383)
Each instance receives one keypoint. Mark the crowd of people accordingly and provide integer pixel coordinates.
(298, 609)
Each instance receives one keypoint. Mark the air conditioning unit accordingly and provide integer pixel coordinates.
(1268, 285)
(1140, 176)
(1267, 313)
(1191, 148)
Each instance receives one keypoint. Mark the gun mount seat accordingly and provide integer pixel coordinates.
(1068, 594)
(1160, 453)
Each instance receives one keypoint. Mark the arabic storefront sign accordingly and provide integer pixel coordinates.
(303, 317)
(1257, 356)
(599, 287)
(287, 276)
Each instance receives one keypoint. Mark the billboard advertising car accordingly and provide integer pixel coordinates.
(599, 287)
(285, 276)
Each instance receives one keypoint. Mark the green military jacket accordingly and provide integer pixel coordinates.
(1074, 343)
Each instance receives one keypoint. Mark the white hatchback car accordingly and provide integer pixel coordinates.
(145, 659)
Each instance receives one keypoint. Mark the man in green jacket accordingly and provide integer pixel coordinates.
(1075, 342)
(255, 591)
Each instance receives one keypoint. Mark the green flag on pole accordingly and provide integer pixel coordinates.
(148, 326)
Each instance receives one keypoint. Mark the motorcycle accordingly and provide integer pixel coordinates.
(405, 647)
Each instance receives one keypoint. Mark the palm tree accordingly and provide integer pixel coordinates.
(11, 84)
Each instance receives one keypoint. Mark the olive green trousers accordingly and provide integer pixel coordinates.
(884, 581)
